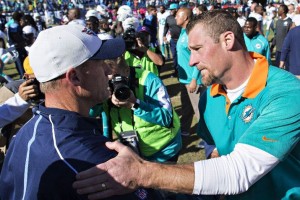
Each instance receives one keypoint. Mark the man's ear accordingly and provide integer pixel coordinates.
(73, 76)
(228, 39)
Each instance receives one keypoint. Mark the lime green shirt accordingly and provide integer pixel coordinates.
(145, 62)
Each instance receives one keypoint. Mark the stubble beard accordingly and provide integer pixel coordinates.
(207, 79)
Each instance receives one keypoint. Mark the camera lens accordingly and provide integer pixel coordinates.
(122, 92)
(119, 86)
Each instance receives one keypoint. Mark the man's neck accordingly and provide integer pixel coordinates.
(184, 25)
(237, 75)
(253, 35)
(71, 104)
(283, 16)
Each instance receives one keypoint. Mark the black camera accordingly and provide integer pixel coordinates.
(40, 95)
(120, 87)
(130, 139)
(129, 37)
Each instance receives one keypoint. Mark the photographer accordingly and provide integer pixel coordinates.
(105, 31)
(17, 105)
(146, 111)
(140, 52)
(23, 92)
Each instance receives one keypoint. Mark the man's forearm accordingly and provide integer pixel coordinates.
(156, 58)
(166, 28)
(177, 178)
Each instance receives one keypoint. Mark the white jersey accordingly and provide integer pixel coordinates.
(161, 18)
(296, 19)
(241, 20)
(269, 11)
(257, 16)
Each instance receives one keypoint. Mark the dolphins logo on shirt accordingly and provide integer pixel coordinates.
(258, 46)
(248, 113)
(285, 23)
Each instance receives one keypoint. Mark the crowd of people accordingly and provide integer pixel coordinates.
(93, 76)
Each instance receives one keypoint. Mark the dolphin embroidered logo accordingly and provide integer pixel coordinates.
(247, 114)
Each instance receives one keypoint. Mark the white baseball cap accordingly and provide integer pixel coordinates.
(29, 29)
(63, 47)
(131, 22)
(102, 9)
(77, 22)
(124, 10)
(94, 13)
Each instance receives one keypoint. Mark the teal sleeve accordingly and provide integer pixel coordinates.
(98, 111)
(277, 128)
(202, 130)
(156, 107)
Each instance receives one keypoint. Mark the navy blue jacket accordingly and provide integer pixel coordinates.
(47, 153)
(290, 52)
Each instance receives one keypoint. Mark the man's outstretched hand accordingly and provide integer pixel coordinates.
(117, 176)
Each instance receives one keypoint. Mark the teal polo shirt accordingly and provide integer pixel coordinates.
(266, 116)
(185, 72)
(258, 44)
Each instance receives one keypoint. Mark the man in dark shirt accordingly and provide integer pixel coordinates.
(151, 22)
(175, 32)
(61, 139)
(290, 52)
(283, 26)
(2, 21)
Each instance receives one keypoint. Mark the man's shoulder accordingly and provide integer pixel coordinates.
(261, 38)
(170, 17)
(280, 81)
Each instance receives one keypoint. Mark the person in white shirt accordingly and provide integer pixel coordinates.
(16, 105)
(291, 12)
(258, 15)
(269, 21)
(161, 18)
(296, 18)
(241, 18)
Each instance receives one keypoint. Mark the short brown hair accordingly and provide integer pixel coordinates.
(217, 22)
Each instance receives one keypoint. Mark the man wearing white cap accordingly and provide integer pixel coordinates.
(61, 140)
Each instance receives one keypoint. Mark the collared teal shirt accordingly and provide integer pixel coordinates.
(258, 44)
(266, 116)
(185, 72)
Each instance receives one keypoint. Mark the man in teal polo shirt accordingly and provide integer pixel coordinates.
(251, 112)
(255, 42)
(189, 77)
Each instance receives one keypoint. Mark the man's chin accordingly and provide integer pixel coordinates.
(206, 82)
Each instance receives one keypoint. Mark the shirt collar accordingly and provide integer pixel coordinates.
(257, 81)
(65, 119)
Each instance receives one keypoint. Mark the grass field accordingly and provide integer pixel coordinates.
(189, 151)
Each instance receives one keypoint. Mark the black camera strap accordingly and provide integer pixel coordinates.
(120, 120)
(133, 83)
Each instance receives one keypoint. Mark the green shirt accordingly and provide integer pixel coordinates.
(145, 62)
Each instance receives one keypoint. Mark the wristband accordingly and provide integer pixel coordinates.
(136, 105)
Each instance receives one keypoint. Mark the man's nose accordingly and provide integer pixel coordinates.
(193, 61)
